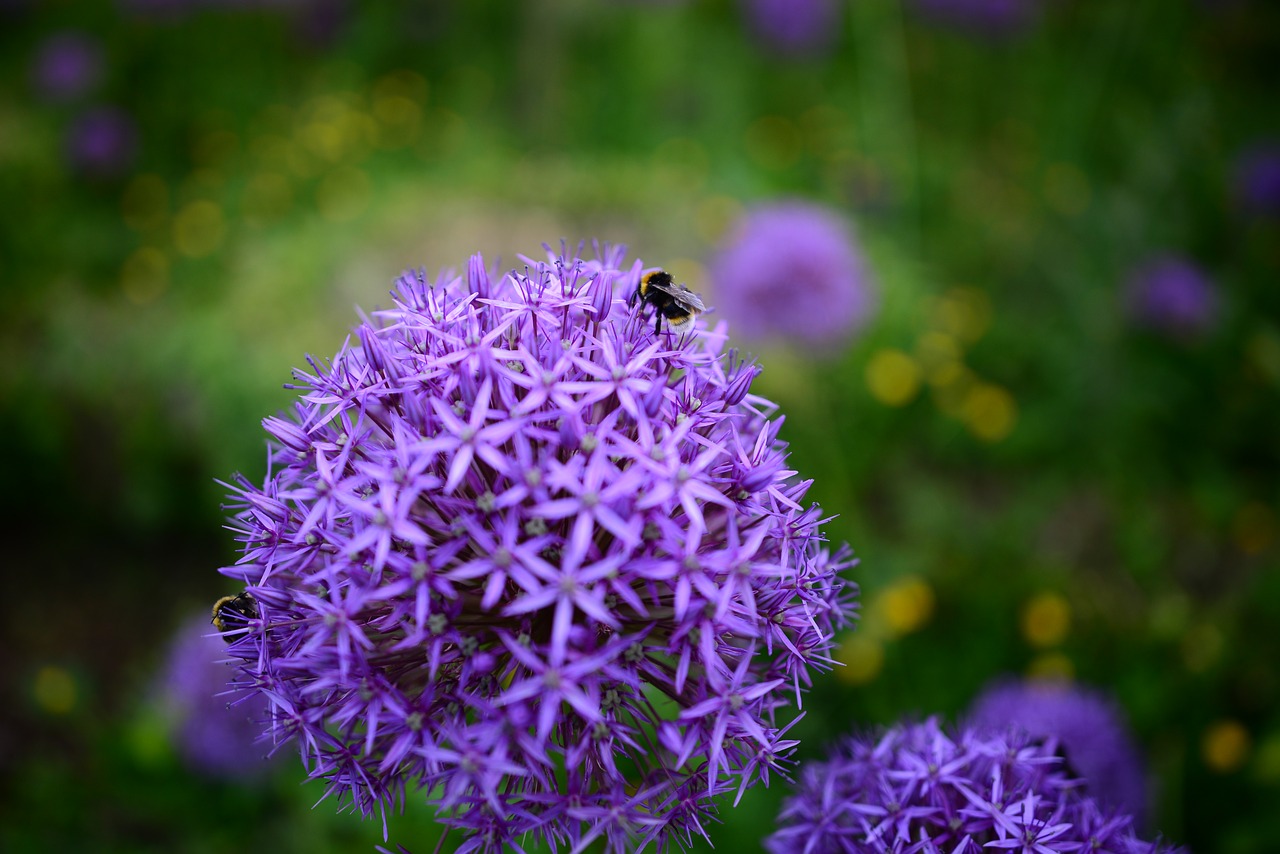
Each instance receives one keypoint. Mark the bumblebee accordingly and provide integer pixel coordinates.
(233, 612)
(676, 303)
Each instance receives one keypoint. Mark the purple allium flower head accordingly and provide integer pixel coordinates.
(794, 27)
(519, 551)
(991, 18)
(1089, 728)
(102, 142)
(918, 788)
(215, 732)
(791, 271)
(67, 66)
(1257, 180)
(1171, 294)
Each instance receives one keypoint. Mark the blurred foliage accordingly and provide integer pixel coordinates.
(1034, 485)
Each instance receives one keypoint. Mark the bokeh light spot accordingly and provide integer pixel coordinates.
(1254, 528)
(343, 194)
(862, 657)
(144, 275)
(951, 386)
(55, 690)
(1224, 747)
(906, 605)
(1046, 619)
(964, 313)
(893, 377)
(145, 203)
(199, 229)
(937, 351)
(990, 412)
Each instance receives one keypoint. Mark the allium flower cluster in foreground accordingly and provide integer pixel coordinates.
(1090, 731)
(518, 551)
(917, 788)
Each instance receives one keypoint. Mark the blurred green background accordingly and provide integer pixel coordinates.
(1034, 483)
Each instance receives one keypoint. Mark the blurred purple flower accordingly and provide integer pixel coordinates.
(794, 27)
(996, 18)
(1089, 728)
(1257, 180)
(1170, 294)
(67, 66)
(102, 142)
(216, 733)
(520, 552)
(916, 788)
(791, 271)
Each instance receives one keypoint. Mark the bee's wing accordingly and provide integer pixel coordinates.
(681, 294)
(690, 299)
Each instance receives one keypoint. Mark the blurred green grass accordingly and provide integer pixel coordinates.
(1110, 511)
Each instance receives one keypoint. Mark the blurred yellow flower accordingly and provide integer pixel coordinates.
(905, 606)
(1224, 746)
(1046, 619)
(964, 313)
(990, 412)
(862, 658)
(893, 377)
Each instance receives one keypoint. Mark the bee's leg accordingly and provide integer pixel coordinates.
(657, 322)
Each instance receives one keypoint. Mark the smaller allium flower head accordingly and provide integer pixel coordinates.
(520, 552)
(1170, 294)
(794, 27)
(1257, 180)
(216, 732)
(791, 272)
(990, 18)
(67, 66)
(101, 143)
(1088, 727)
(918, 788)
